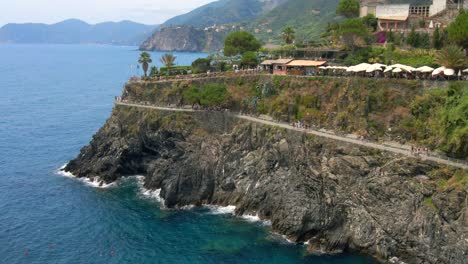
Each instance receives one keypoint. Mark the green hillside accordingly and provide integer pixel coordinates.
(219, 13)
(308, 17)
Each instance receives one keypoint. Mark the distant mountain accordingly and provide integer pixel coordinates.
(74, 31)
(265, 18)
(309, 19)
(224, 12)
(185, 38)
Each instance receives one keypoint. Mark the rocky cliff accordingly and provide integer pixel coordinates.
(334, 195)
(184, 38)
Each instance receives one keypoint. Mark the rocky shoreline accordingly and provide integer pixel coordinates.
(334, 196)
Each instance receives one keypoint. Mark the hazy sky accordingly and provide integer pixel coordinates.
(93, 11)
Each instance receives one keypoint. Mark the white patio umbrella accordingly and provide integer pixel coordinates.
(380, 65)
(403, 67)
(449, 72)
(397, 70)
(459, 73)
(425, 69)
(388, 69)
(373, 68)
(438, 70)
(322, 67)
(466, 70)
(360, 67)
(350, 69)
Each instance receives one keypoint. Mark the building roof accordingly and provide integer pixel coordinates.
(267, 62)
(306, 63)
(278, 61)
(392, 12)
(282, 61)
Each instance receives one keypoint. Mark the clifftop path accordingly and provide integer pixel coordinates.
(336, 193)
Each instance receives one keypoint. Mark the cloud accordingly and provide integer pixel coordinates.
(94, 11)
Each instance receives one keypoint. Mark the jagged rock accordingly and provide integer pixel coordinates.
(335, 196)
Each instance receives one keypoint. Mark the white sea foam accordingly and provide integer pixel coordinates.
(63, 173)
(152, 194)
(93, 182)
(255, 218)
(215, 209)
(287, 239)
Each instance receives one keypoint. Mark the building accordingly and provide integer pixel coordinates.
(267, 66)
(280, 66)
(304, 67)
(393, 15)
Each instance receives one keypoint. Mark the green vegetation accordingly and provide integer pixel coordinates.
(208, 95)
(386, 109)
(439, 119)
(168, 60)
(452, 57)
(145, 60)
(391, 55)
(348, 8)
(237, 43)
(309, 18)
(249, 59)
(437, 40)
(458, 30)
(354, 33)
(177, 70)
(153, 71)
(288, 35)
(428, 201)
(201, 65)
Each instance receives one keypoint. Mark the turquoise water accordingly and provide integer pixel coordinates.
(53, 98)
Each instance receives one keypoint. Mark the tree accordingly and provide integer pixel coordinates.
(288, 35)
(168, 60)
(348, 8)
(201, 65)
(353, 33)
(458, 30)
(424, 41)
(452, 57)
(214, 94)
(437, 39)
(153, 71)
(370, 21)
(192, 95)
(249, 59)
(240, 42)
(413, 38)
(145, 60)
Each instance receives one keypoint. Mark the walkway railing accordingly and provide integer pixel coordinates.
(215, 75)
(402, 149)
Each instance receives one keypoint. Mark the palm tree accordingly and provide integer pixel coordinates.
(168, 60)
(452, 57)
(145, 60)
(288, 35)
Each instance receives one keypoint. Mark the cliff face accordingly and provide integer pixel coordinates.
(334, 195)
(184, 38)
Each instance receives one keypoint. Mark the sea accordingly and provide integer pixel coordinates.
(53, 98)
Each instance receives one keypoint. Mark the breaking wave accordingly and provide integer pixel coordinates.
(93, 182)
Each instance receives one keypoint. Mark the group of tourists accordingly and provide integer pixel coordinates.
(419, 151)
(300, 124)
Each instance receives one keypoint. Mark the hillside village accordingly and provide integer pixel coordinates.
(418, 39)
(400, 17)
